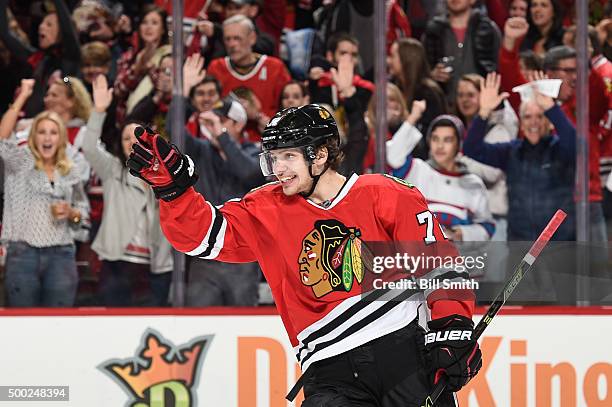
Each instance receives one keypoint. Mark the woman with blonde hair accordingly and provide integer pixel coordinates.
(65, 96)
(44, 201)
(69, 98)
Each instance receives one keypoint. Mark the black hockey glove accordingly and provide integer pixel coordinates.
(452, 351)
(161, 164)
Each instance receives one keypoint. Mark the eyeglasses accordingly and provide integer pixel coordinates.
(566, 70)
(167, 71)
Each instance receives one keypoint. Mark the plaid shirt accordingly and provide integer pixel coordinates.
(127, 80)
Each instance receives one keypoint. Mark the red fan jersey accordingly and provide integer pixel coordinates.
(306, 252)
(604, 68)
(266, 80)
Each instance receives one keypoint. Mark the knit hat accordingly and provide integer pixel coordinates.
(447, 120)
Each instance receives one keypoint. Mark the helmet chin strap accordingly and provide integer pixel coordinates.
(315, 180)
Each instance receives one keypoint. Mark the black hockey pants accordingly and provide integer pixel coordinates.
(390, 371)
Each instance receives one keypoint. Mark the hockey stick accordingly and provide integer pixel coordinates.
(506, 292)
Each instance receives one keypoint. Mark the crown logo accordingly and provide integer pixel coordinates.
(158, 362)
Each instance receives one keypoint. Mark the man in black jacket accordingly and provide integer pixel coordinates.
(214, 47)
(229, 167)
(460, 42)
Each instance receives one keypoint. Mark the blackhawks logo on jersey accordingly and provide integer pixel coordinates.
(331, 258)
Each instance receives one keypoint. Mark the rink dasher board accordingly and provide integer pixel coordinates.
(533, 356)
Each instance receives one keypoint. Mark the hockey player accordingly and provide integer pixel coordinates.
(306, 232)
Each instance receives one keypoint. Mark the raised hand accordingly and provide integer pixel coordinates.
(315, 73)
(533, 76)
(212, 122)
(490, 97)
(418, 107)
(514, 29)
(26, 89)
(440, 73)
(602, 29)
(143, 59)
(9, 119)
(160, 164)
(124, 24)
(102, 95)
(193, 72)
(343, 76)
(545, 102)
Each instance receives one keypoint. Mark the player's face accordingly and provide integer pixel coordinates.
(48, 31)
(443, 145)
(205, 96)
(533, 122)
(47, 139)
(467, 98)
(311, 266)
(291, 169)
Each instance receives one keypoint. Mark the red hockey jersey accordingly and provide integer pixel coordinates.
(266, 80)
(297, 242)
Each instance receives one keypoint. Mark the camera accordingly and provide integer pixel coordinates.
(448, 63)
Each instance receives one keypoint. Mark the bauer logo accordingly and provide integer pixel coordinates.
(161, 374)
(443, 336)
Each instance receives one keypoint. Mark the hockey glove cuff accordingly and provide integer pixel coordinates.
(161, 165)
(452, 350)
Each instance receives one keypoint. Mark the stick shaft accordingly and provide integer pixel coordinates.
(507, 291)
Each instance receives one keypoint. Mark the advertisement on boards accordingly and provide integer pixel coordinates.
(247, 361)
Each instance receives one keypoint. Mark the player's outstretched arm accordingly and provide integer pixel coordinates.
(160, 164)
(191, 224)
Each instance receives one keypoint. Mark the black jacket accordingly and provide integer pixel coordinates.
(65, 56)
(481, 44)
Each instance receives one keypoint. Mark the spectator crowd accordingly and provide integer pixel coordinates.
(78, 76)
